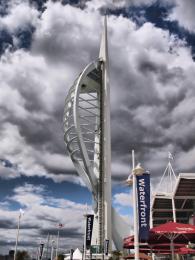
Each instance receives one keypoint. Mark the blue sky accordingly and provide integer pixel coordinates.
(44, 45)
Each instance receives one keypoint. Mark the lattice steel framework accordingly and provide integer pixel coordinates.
(82, 123)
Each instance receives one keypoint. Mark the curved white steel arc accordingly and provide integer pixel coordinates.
(88, 165)
(80, 124)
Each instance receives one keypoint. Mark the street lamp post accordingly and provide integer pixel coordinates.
(138, 170)
(96, 249)
(52, 248)
(17, 234)
(58, 236)
(47, 247)
(85, 233)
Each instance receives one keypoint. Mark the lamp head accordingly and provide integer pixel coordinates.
(129, 181)
(138, 170)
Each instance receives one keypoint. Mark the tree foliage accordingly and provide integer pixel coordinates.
(60, 257)
(116, 254)
(22, 255)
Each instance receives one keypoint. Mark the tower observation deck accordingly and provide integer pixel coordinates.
(87, 138)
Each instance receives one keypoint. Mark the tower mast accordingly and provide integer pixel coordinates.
(105, 145)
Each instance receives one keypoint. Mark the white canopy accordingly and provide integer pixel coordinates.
(77, 255)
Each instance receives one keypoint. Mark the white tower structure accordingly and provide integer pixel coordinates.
(87, 137)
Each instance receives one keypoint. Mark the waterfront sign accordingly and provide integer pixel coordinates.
(71, 253)
(41, 250)
(106, 246)
(143, 194)
(89, 228)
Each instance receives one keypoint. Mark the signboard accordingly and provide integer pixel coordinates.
(96, 249)
(41, 251)
(89, 228)
(71, 253)
(106, 246)
(143, 194)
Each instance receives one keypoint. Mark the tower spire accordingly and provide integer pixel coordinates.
(105, 147)
(103, 54)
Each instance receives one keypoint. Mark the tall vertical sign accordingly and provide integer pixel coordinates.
(106, 246)
(143, 194)
(71, 253)
(41, 251)
(89, 228)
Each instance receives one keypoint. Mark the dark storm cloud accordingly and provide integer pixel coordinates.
(8, 224)
(148, 66)
(7, 243)
(165, 75)
(47, 218)
(64, 232)
(38, 133)
(39, 4)
(128, 134)
(60, 170)
(3, 7)
(22, 243)
(6, 41)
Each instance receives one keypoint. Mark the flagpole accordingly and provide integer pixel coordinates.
(52, 249)
(37, 253)
(172, 249)
(47, 248)
(135, 215)
(57, 243)
(17, 234)
(96, 249)
(85, 217)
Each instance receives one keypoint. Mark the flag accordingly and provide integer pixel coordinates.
(21, 212)
(71, 253)
(41, 250)
(60, 225)
(170, 156)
